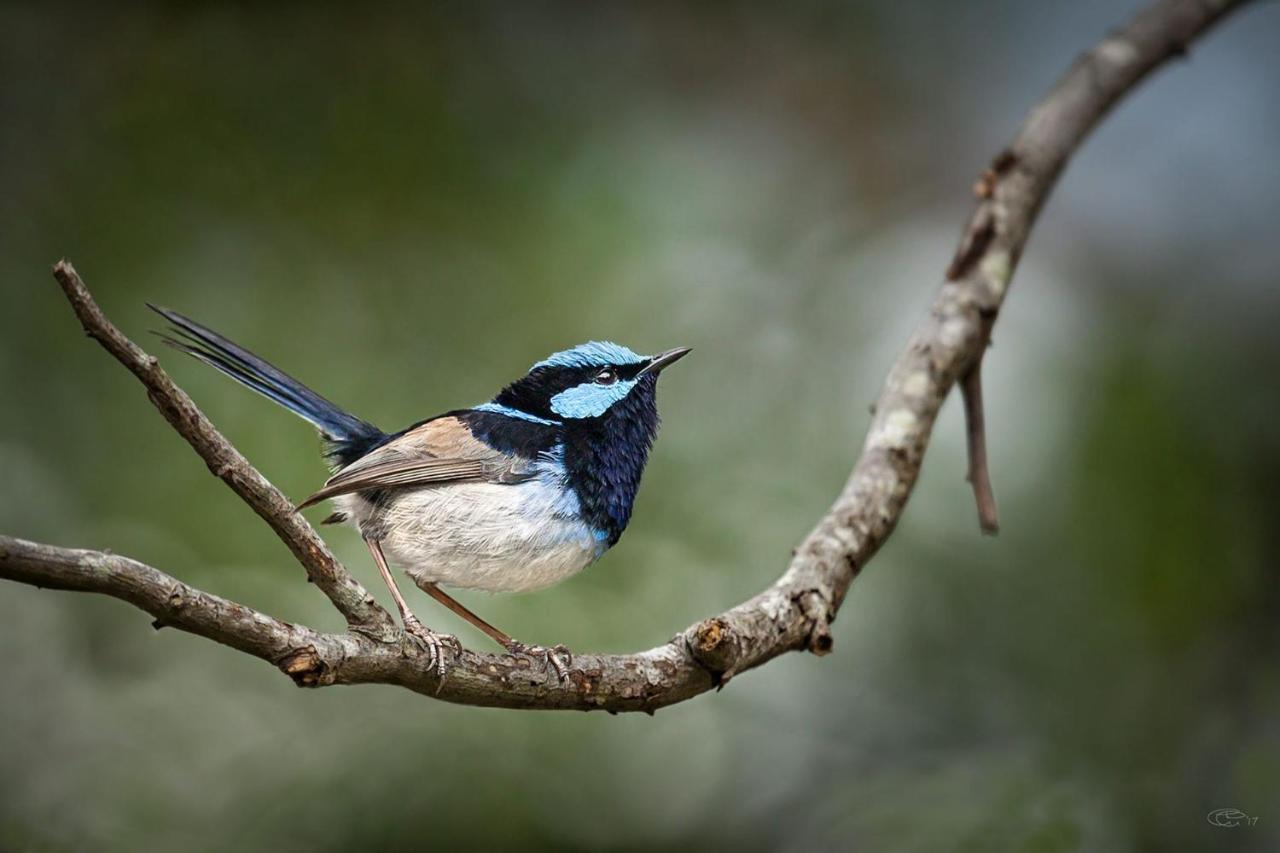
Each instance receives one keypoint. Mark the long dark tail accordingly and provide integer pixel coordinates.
(347, 437)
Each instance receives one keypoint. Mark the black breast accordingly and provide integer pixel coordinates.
(605, 458)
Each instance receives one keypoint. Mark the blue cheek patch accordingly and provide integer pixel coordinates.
(589, 400)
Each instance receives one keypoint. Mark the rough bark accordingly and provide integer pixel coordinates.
(352, 600)
(796, 612)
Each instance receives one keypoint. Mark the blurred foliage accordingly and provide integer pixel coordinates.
(406, 206)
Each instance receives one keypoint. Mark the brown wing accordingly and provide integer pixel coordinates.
(439, 451)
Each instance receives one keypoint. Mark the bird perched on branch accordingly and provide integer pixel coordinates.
(512, 495)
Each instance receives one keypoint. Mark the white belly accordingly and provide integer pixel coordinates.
(500, 538)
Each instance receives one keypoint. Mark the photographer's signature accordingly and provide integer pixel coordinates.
(1230, 818)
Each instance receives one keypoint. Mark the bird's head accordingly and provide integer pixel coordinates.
(602, 397)
(590, 384)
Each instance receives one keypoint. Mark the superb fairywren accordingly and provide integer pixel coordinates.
(514, 494)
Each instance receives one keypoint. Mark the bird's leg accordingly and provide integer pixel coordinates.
(551, 657)
(459, 608)
(431, 641)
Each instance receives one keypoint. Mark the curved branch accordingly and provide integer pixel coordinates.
(796, 611)
(351, 599)
(173, 603)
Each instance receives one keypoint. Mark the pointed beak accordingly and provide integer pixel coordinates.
(662, 359)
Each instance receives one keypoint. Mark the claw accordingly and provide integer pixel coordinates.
(554, 655)
(551, 657)
(433, 644)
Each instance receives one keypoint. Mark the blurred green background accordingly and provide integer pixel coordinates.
(405, 207)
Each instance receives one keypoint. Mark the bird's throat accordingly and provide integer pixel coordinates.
(605, 460)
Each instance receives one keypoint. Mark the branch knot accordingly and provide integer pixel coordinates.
(307, 668)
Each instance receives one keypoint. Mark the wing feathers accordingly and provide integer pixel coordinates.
(439, 451)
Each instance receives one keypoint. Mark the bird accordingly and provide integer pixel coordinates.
(512, 495)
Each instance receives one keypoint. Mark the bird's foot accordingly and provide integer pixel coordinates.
(557, 657)
(432, 643)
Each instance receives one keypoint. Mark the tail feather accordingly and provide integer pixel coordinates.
(348, 437)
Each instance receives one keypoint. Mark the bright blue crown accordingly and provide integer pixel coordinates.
(591, 354)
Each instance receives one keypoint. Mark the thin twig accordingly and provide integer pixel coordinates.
(351, 599)
(976, 432)
(979, 476)
(796, 611)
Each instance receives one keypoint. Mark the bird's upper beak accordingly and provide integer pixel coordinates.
(662, 359)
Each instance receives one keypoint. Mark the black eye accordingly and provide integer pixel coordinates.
(606, 377)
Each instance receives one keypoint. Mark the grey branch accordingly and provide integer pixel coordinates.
(352, 600)
(975, 421)
(795, 613)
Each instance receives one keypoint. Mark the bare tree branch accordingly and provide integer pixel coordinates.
(172, 602)
(796, 611)
(353, 601)
(975, 421)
